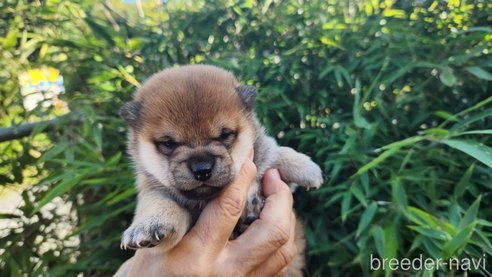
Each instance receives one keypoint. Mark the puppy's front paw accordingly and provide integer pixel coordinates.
(148, 232)
(312, 176)
(298, 168)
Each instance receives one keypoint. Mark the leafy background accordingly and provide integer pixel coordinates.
(391, 98)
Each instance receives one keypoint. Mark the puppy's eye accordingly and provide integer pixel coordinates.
(226, 135)
(166, 145)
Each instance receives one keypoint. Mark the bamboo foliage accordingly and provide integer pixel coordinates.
(392, 98)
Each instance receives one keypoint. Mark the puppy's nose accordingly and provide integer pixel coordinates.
(201, 167)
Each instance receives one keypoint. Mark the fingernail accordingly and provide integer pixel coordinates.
(275, 173)
(251, 154)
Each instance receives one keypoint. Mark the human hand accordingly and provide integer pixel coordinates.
(264, 249)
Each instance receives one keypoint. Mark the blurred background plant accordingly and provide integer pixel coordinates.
(392, 98)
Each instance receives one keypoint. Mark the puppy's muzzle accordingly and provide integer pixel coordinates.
(201, 166)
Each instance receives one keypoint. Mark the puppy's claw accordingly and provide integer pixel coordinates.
(313, 177)
(147, 233)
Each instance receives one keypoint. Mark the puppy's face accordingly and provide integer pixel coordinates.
(191, 128)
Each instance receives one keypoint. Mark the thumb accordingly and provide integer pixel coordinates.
(218, 219)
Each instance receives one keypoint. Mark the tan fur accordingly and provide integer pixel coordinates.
(193, 105)
(298, 262)
(172, 104)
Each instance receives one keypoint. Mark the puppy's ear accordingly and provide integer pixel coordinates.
(130, 112)
(247, 95)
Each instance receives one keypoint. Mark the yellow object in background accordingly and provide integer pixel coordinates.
(42, 86)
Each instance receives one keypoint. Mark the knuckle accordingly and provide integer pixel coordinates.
(249, 169)
(285, 256)
(279, 235)
(232, 203)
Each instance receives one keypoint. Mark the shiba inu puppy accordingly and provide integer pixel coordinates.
(190, 130)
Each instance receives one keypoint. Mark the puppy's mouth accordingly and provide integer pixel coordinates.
(203, 192)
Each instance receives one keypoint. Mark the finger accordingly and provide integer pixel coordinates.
(273, 184)
(277, 264)
(145, 261)
(218, 219)
(268, 233)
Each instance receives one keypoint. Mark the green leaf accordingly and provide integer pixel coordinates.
(97, 181)
(474, 118)
(428, 273)
(335, 198)
(390, 246)
(436, 132)
(114, 159)
(359, 121)
(15, 269)
(100, 219)
(266, 6)
(128, 77)
(476, 132)
(398, 193)
(347, 197)
(54, 151)
(446, 115)
(475, 29)
(422, 218)
(379, 159)
(8, 216)
(100, 30)
(338, 77)
(431, 232)
(454, 213)
(124, 195)
(326, 71)
(431, 246)
(483, 242)
(346, 76)
(471, 214)
(366, 218)
(447, 76)
(479, 72)
(378, 235)
(135, 44)
(464, 182)
(359, 194)
(459, 241)
(11, 39)
(475, 149)
(403, 143)
(97, 136)
(57, 191)
(484, 222)
(364, 180)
